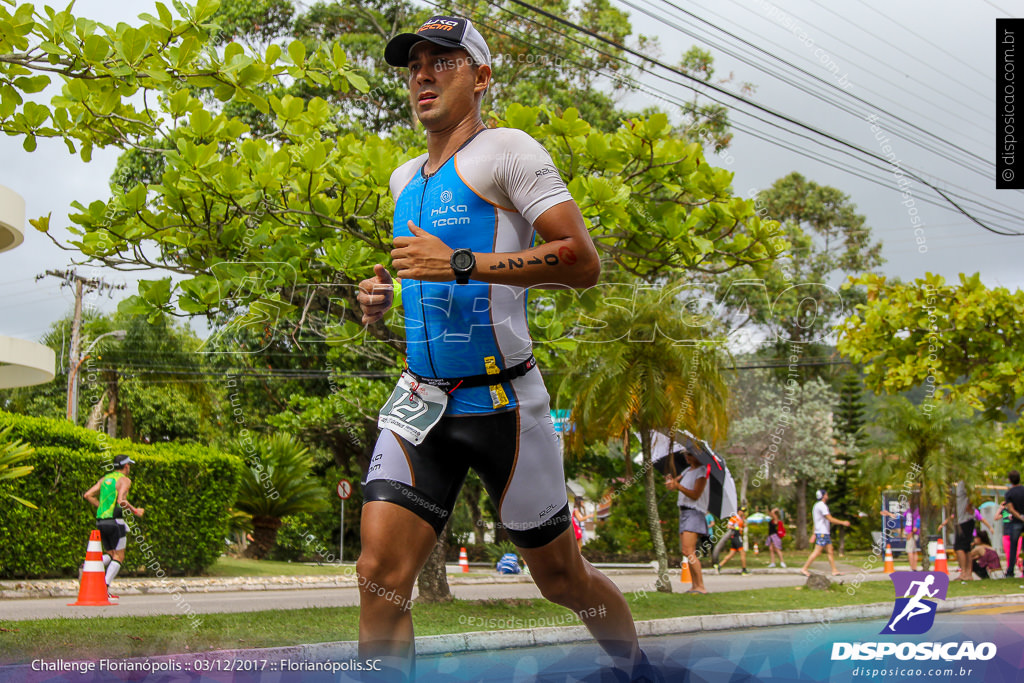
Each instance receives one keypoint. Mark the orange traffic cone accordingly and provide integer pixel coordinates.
(940, 557)
(685, 576)
(757, 551)
(92, 592)
(464, 560)
(889, 568)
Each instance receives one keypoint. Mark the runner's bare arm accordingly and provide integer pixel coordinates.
(123, 484)
(567, 259)
(696, 491)
(1013, 511)
(837, 521)
(91, 496)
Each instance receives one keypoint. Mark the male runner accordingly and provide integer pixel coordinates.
(735, 526)
(823, 521)
(466, 213)
(110, 495)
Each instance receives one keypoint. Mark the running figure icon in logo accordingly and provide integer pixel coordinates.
(916, 613)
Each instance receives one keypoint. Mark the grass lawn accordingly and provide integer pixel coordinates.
(240, 566)
(235, 566)
(796, 558)
(115, 637)
(232, 566)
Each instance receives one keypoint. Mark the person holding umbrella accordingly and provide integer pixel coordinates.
(693, 506)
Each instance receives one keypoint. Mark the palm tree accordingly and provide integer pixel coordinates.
(930, 446)
(278, 484)
(12, 452)
(645, 369)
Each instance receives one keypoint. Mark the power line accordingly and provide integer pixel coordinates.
(917, 35)
(1011, 213)
(662, 96)
(760, 107)
(805, 88)
(924, 98)
(914, 57)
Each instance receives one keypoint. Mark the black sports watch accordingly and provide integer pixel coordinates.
(463, 262)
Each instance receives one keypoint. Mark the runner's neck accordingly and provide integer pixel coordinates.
(442, 145)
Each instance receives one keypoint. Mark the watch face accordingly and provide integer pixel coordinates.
(462, 260)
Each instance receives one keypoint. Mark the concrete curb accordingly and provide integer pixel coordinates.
(67, 588)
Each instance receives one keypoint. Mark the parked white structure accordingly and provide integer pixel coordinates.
(22, 363)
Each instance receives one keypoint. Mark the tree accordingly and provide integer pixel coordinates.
(787, 429)
(962, 341)
(143, 387)
(852, 437)
(13, 452)
(632, 375)
(707, 123)
(279, 484)
(829, 239)
(270, 206)
(931, 450)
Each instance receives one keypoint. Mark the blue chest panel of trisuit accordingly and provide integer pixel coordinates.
(449, 327)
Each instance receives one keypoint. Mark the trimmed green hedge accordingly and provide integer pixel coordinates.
(186, 490)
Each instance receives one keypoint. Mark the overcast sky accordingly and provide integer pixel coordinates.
(929, 62)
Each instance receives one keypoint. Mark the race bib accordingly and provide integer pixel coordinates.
(413, 409)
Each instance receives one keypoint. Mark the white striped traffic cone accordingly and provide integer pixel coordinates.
(889, 566)
(941, 564)
(92, 592)
(464, 560)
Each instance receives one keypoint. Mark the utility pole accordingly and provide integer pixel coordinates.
(70, 278)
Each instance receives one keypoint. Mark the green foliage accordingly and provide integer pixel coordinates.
(59, 433)
(494, 551)
(262, 20)
(627, 531)
(784, 429)
(142, 369)
(852, 436)
(827, 238)
(307, 538)
(104, 69)
(929, 446)
(13, 452)
(186, 491)
(962, 340)
(643, 366)
(278, 483)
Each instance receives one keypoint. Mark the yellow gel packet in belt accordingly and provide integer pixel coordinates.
(498, 396)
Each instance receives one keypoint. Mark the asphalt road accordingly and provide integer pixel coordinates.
(770, 655)
(251, 601)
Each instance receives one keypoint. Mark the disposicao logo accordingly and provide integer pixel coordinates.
(914, 614)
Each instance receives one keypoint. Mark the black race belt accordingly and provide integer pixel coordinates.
(450, 384)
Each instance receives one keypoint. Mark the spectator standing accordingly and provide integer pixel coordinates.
(823, 521)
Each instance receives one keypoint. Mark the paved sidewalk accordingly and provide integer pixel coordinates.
(68, 588)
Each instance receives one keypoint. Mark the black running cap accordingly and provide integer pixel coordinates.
(440, 30)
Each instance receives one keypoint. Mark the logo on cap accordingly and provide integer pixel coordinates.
(438, 24)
